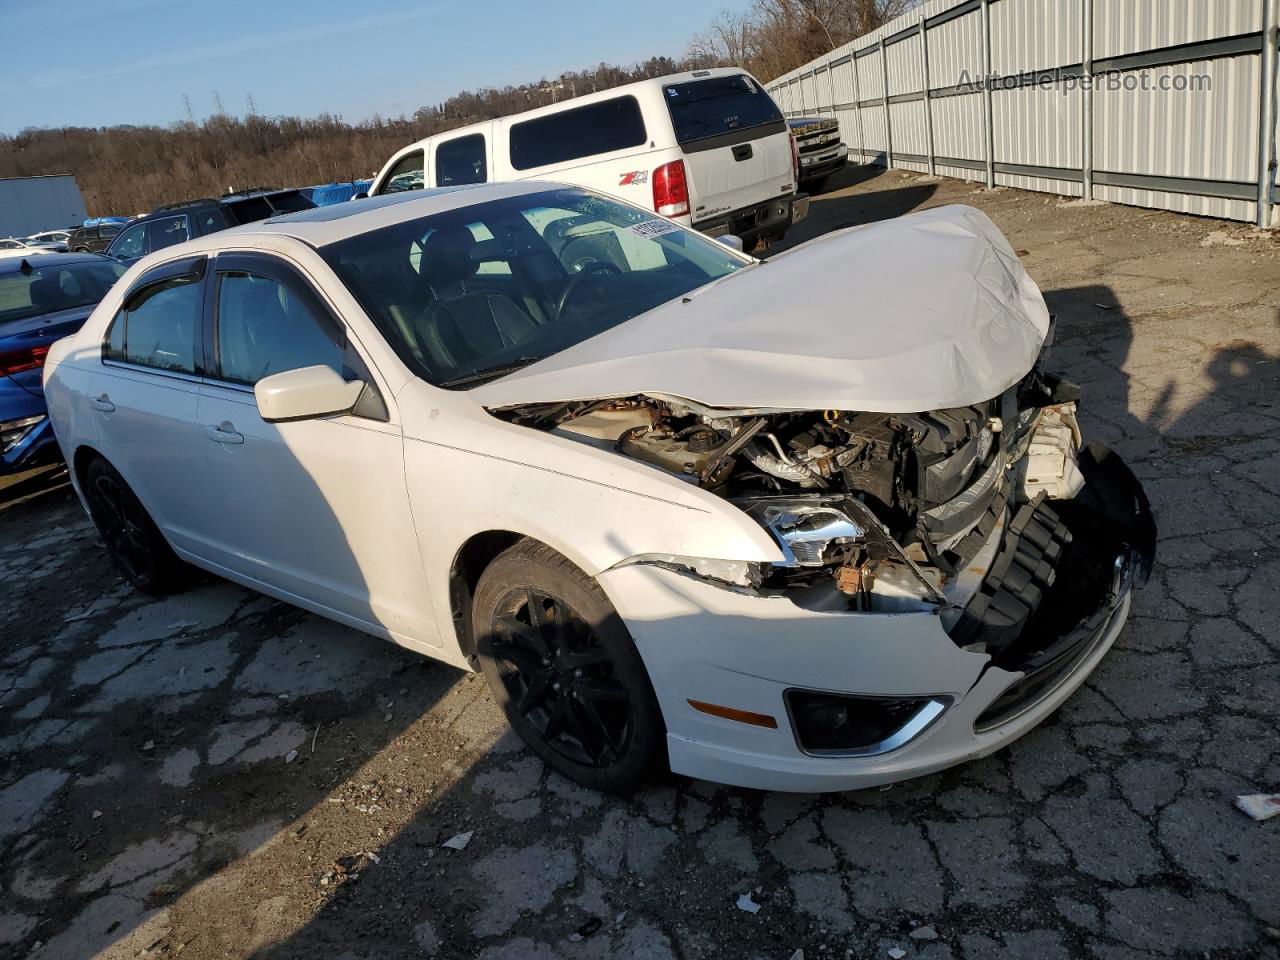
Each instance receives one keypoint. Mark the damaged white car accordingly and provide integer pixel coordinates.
(816, 523)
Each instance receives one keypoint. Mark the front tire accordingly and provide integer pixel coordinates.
(137, 547)
(565, 671)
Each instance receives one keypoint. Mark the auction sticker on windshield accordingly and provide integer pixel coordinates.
(649, 229)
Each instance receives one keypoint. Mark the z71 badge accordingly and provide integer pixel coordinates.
(635, 176)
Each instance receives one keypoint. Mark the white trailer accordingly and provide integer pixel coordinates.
(31, 204)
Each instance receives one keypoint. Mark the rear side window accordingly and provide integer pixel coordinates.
(158, 327)
(167, 232)
(580, 132)
(409, 173)
(290, 201)
(461, 161)
(249, 210)
(718, 105)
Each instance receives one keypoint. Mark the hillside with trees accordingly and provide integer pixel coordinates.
(131, 169)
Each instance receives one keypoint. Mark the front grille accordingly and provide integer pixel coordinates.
(815, 142)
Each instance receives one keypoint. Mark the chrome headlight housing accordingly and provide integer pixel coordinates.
(805, 527)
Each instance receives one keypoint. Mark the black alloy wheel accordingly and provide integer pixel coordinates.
(566, 672)
(559, 676)
(131, 536)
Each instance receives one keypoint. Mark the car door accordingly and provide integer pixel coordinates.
(314, 510)
(144, 397)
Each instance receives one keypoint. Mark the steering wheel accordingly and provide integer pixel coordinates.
(575, 282)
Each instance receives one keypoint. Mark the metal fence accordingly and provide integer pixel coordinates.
(1156, 103)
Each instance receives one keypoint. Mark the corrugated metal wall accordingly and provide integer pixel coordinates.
(1194, 149)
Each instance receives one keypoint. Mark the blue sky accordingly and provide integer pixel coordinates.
(103, 62)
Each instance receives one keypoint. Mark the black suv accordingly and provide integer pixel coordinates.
(93, 239)
(176, 222)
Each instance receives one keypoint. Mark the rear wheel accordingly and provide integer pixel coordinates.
(563, 667)
(135, 543)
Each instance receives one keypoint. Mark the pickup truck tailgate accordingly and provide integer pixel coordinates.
(737, 148)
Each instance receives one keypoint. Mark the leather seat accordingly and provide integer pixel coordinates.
(465, 325)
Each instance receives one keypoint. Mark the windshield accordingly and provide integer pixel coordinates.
(474, 293)
(60, 287)
(708, 108)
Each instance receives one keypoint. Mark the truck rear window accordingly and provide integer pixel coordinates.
(718, 105)
(578, 132)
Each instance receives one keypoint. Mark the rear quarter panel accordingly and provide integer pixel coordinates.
(68, 371)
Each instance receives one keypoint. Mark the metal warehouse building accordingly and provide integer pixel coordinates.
(31, 204)
(1156, 103)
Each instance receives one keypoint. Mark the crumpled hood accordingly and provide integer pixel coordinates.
(929, 311)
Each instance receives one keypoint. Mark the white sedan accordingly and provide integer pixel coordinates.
(12, 247)
(814, 523)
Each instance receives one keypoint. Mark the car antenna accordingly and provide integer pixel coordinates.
(25, 266)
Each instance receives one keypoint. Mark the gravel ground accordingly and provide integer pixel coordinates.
(219, 775)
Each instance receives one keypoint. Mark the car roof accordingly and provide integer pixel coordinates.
(582, 100)
(325, 225)
(40, 260)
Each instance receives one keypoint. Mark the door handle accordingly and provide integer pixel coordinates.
(224, 433)
(102, 403)
(742, 152)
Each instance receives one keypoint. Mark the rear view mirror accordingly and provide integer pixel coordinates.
(305, 393)
(730, 240)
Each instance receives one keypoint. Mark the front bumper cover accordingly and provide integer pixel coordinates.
(701, 641)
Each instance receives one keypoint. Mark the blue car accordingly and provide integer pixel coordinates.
(42, 299)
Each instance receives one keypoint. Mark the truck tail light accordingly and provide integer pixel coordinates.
(22, 358)
(671, 190)
(795, 162)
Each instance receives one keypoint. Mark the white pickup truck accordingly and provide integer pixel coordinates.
(709, 149)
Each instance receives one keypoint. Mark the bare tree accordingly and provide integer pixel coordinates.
(131, 169)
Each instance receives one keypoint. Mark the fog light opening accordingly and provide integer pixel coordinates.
(838, 724)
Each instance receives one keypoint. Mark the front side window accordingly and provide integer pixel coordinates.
(132, 243)
(565, 135)
(50, 289)
(264, 327)
(470, 293)
(109, 230)
(167, 232)
(461, 161)
(159, 326)
(409, 173)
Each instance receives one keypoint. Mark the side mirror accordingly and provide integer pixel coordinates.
(304, 394)
(362, 195)
(730, 240)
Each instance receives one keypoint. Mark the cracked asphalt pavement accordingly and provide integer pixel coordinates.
(220, 775)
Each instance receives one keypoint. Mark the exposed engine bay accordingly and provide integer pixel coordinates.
(970, 512)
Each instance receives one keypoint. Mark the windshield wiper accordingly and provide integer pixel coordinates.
(491, 373)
